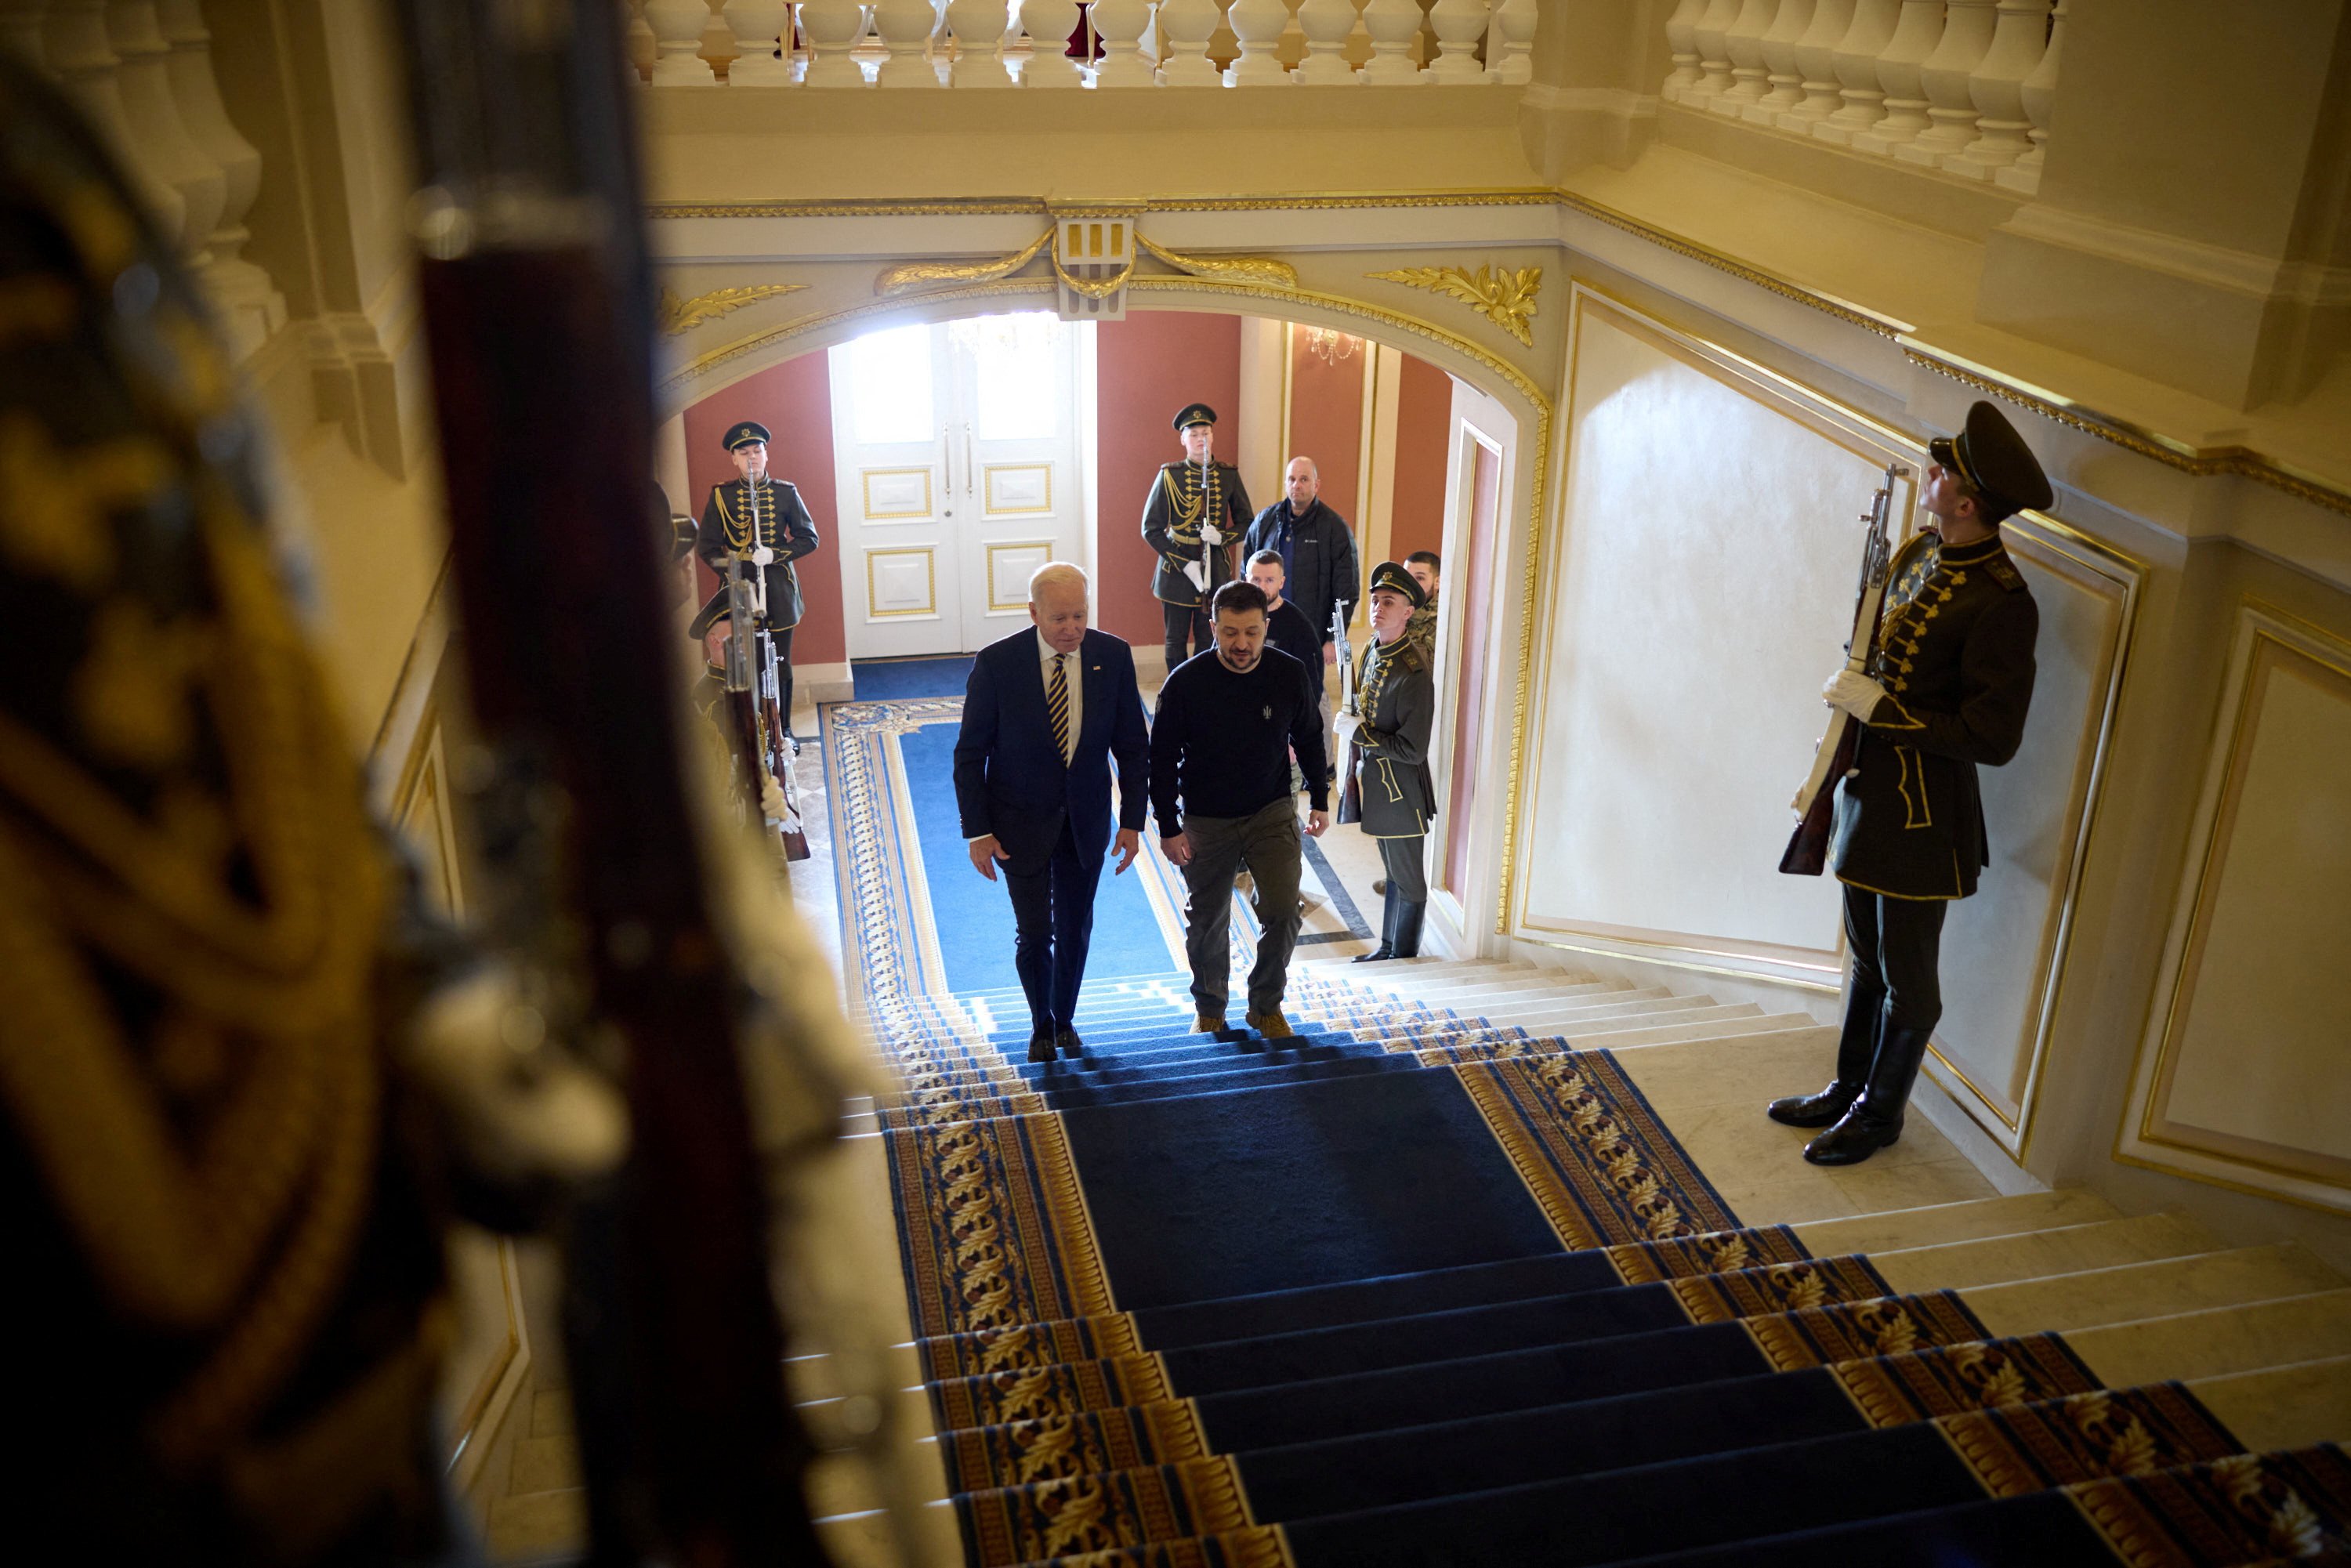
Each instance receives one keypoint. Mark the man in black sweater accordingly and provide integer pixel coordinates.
(1228, 720)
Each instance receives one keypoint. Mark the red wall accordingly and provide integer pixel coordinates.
(1326, 424)
(1145, 368)
(1424, 431)
(794, 400)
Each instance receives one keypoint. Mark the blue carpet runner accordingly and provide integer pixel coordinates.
(1409, 1288)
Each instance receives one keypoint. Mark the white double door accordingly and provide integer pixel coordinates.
(957, 453)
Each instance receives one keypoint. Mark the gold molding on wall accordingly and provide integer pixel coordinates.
(996, 600)
(988, 506)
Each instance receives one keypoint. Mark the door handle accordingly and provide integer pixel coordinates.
(970, 474)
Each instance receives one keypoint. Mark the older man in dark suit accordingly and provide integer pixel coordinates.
(1044, 714)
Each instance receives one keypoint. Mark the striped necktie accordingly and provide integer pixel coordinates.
(1056, 703)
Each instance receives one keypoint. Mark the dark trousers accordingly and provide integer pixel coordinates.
(1053, 921)
(1269, 842)
(1892, 946)
(1180, 622)
(1406, 868)
(783, 641)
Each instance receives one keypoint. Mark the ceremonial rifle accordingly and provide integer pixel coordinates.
(1351, 806)
(538, 312)
(1807, 851)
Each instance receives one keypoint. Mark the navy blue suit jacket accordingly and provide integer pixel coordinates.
(1009, 780)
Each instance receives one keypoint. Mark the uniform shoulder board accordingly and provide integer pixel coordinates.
(1414, 657)
(2003, 570)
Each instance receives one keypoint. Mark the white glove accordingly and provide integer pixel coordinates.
(1199, 574)
(1857, 695)
(1347, 724)
(772, 804)
(761, 555)
(1212, 534)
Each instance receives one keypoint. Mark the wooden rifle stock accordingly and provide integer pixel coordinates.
(537, 304)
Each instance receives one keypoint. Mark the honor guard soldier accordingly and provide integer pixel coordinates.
(764, 519)
(1386, 742)
(1953, 679)
(1197, 510)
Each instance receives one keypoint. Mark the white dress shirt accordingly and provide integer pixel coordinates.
(1074, 674)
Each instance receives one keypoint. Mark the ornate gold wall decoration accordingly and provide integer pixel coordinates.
(675, 315)
(914, 274)
(1506, 297)
(1260, 269)
(1243, 268)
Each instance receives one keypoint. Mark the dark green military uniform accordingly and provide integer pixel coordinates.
(1955, 656)
(784, 526)
(1395, 795)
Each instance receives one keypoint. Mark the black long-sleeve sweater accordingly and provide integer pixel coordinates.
(1222, 741)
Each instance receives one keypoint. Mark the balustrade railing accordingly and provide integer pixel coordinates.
(1961, 86)
(1128, 43)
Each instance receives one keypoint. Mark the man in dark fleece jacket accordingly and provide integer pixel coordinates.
(1227, 721)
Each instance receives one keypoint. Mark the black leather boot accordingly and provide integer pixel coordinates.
(1386, 949)
(1876, 1120)
(1856, 1047)
(1407, 930)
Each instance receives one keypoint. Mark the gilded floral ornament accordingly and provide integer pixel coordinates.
(1258, 269)
(1506, 297)
(675, 315)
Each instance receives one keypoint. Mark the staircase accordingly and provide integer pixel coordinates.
(1675, 1399)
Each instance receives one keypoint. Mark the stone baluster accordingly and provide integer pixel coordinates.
(154, 115)
(1326, 24)
(1050, 23)
(1392, 24)
(905, 28)
(1121, 24)
(1968, 26)
(979, 33)
(1513, 29)
(73, 39)
(831, 29)
(1713, 59)
(1189, 25)
(1259, 25)
(2039, 94)
(718, 49)
(249, 304)
(677, 33)
(20, 32)
(1743, 42)
(1861, 100)
(762, 34)
(638, 45)
(2002, 131)
(1901, 71)
(1458, 25)
(1816, 67)
(1780, 63)
(1681, 37)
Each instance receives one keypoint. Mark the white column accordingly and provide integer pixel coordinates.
(1513, 28)
(1779, 62)
(20, 32)
(831, 28)
(2002, 131)
(979, 33)
(1189, 25)
(1860, 100)
(1392, 24)
(1050, 23)
(1259, 25)
(1901, 71)
(1967, 36)
(1458, 25)
(249, 303)
(1713, 60)
(1681, 37)
(677, 33)
(1121, 24)
(760, 28)
(154, 119)
(2040, 93)
(1816, 67)
(1743, 42)
(905, 28)
(1326, 24)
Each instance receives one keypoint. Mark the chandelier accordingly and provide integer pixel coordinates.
(1329, 345)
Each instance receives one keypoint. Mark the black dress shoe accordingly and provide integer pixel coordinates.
(1857, 1136)
(1067, 1038)
(1389, 912)
(1041, 1046)
(1856, 1049)
(1876, 1120)
(1824, 1108)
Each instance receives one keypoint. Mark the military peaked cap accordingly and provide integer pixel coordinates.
(742, 435)
(1395, 579)
(1990, 457)
(1195, 414)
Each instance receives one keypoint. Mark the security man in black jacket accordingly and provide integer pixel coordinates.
(1197, 510)
(766, 519)
(1952, 672)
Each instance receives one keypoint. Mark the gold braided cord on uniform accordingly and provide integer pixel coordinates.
(245, 1233)
(739, 535)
